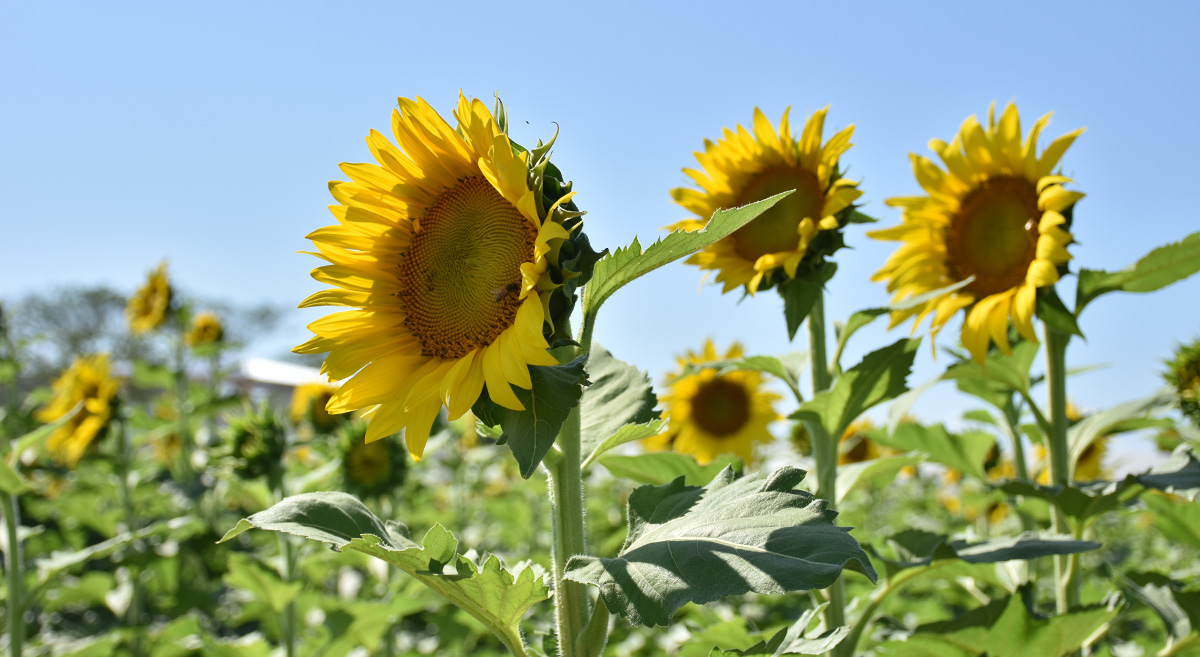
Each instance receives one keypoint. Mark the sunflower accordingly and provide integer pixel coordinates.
(308, 403)
(997, 216)
(150, 307)
(206, 329)
(451, 251)
(88, 381)
(742, 168)
(855, 447)
(370, 469)
(257, 442)
(1183, 374)
(711, 413)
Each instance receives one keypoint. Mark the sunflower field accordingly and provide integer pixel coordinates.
(493, 481)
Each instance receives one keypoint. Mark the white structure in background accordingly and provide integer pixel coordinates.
(262, 378)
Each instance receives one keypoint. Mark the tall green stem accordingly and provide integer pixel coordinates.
(571, 603)
(1066, 589)
(181, 403)
(15, 569)
(288, 627)
(825, 451)
(133, 616)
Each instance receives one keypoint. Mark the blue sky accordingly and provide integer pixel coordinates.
(206, 133)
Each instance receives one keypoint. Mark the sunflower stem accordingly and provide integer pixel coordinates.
(133, 616)
(825, 454)
(1066, 594)
(181, 402)
(287, 621)
(566, 503)
(15, 569)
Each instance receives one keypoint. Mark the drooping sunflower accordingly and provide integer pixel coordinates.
(713, 413)
(205, 330)
(87, 380)
(998, 214)
(308, 404)
(370, 469)
(150, 307)
(745, 167)
(456, 253)
(1183, 374)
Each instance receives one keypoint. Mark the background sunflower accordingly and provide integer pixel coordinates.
(88, 381)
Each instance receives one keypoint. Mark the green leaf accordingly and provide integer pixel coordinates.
(1097, 425)
(801, 293)
(1179, 474)
(626, 434)
(487, 591)
(857, 217)
(690, 544)
(51, 566)
(629, 263)
(915, 548)
(39, 435)
(788, 367)
(663, 467)
(146, 375)
(999, 376)
(849, 476)
(1156, 270)
(792, 640)
(11, 483)
(1178, 520)
(619, 395)
(966, 451)
(1004, 628)
(1166, 600)
(531, 433)
(879, 377)
(265, 585)
(1052, 311)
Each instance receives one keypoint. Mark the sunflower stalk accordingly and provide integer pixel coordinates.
(181, 401)
(287, 620)
(14, 568)
(825, 450)
(133, 616)
(1066, 586)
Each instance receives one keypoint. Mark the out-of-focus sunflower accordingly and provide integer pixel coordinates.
(257, 442)
(1183, 374)
(308, 404)
(167, 448)
(855, 447)
(150, 307)
(742, 168)
(712, 414)
(453, 252)
(999, 213)
(370, 469)
(87, 380)
(206, 329)
(1090, 464)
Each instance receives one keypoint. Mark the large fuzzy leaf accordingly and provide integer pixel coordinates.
(965, 452)
(914, 548)
(630, 262)
(486, 590)
(882, 375)
(690, 544)
(619, 395)
(1157, 269)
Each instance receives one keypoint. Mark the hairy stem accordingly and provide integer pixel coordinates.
(1066, 587)
(566, 505)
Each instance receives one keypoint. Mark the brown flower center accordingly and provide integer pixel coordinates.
(993, 237)
(721, 407)
(461, 279)
(777, 229)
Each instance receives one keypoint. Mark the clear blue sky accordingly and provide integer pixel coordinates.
(206, 132)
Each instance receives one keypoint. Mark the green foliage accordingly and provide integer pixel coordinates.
(1154, 271)
(1052, 311)
(488, 592)
(531, 433)
(882, 375)
(1178, 519)
(792, 640)
(914, 548)
(618, 395)
(965, 452)
(801, 293)
(663, 467)
(852, 474)
(628, 263)
(691, 544)
(265, 584)
(1004, 628)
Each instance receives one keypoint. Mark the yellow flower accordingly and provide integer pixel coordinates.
(855, 447)
(1088, 467)
(309, 401)
(206, 329)
(998, 213)
(712, 414)
(444, 250)
(149, 307)
(742, 168)
(87, 380)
